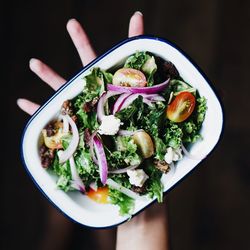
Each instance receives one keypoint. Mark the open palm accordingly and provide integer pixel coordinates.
(85, 51)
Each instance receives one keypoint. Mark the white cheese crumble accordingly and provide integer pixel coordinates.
(110, 125)
(137, 177)
(172, 155)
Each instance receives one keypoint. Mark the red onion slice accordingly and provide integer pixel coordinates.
(76, 180)
(124, 190)
(190, 156)
(156, 98)
(131, 98)
(66, 154)
(119, 102)
(136, 90)
(122, 170)
(102, 161)
(101, 103)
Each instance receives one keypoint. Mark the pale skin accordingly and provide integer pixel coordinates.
(148, 230)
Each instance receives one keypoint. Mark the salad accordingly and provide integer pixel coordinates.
(127, 128)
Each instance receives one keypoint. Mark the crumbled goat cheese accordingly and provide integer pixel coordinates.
(110, 125)
(137, 177)
(172, 155)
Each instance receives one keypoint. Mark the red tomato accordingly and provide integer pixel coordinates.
(100, 196)
(181, 107)
(129, 78)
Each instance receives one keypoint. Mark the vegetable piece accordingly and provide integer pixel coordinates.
(100, 195)
(120, 101)
(102, 161)
(112, 184)
(125, 203)
(123, 170)
(76, 180)
(66, 154)
(102, 101)
(181, 107)
(136, 90)
(145, 143)
(129, 77)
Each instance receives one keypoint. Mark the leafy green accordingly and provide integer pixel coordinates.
(201, 109)
(87, 119)
(160, 148)
(64, 173)
(178, 86)
(66, 140)
(154, 185)
(95, 84)
(144, 62)
(173, 136)
(125, 153)
(125, 203)
(137, 60)
(85, 166)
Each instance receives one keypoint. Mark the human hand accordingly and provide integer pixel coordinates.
(85, 51)
(147, 230)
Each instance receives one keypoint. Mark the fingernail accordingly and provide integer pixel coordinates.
(72, 19)
(138, 13)
(18, 101)
(31, 60)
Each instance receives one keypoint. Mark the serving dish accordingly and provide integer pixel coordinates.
(80, 208)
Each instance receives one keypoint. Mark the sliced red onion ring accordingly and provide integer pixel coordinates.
(131, 98)
(66, 154)
(190, 156)
(148, 102)
(100, 106)
(123, 170)
(135, 90)
(120, 101)
(76, 180)
(91, 147)
(102, 161)
(124, 190)
(156, 98)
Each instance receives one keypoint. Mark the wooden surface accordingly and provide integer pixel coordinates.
(209, 209)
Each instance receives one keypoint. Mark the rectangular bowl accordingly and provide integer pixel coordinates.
(80, 208)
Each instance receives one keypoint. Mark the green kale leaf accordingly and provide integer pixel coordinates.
(125, 203)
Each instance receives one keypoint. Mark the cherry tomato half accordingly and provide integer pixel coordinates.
(129, 78)
(181, 107)
(100, 195)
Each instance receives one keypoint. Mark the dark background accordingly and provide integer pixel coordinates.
(210, 208)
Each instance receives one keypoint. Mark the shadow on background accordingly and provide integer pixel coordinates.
(210, 209)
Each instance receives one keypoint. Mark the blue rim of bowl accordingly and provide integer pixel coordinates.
(86, 68)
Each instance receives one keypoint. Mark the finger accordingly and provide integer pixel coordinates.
(81, 41)
(136, 26)
(47, 74)
(27, 106)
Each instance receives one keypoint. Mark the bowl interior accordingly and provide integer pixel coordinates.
(79, 207)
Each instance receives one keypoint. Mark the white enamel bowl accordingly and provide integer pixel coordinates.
(80, 208)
